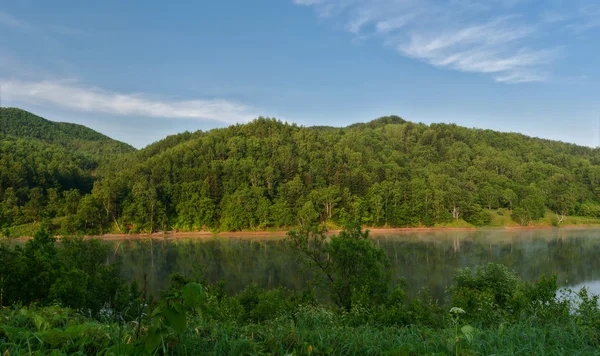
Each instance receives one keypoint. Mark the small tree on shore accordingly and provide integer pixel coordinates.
(348, 265)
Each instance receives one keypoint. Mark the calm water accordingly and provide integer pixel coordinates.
(425, 259)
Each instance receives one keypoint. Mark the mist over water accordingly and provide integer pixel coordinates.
(425, 259)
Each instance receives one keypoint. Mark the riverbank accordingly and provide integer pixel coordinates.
(283, 233)
(500, 220)
(280, 234)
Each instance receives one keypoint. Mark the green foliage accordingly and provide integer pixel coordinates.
(75, 275)
(493, 295)
(171, 313)
(561, 197)
(267, 174)
(348, 265)
(589, 209)
(43, 164)
(477, 216)
(193, 320)
(485, 294)
(20, 123)
(521, 216)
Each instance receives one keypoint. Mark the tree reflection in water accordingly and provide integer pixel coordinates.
(425, 259)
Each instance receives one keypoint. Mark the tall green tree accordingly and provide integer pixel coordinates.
(561, 196)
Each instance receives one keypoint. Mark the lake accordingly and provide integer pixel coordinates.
(425, 259)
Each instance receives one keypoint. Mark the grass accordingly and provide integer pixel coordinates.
(579, 220)
(23, 230)
(456, 224)
(501, 218)
(309, 331)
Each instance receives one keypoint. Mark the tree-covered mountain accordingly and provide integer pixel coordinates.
(45, 166)
(22, 124)
(387, 172)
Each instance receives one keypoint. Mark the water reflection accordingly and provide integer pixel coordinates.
(425, 259)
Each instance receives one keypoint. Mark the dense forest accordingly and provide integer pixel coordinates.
(273, 175)
(47, 168)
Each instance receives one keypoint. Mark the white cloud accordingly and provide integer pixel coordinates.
(516, 77)
(11, 21)
(72, 95)
(43, 31)
(25, 85)
(307, 2)
(502, 38)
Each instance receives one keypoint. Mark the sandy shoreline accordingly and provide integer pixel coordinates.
(282, 233)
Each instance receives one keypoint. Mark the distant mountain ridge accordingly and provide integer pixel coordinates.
(25, 125)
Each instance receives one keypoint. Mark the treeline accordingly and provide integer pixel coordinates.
(388, 172)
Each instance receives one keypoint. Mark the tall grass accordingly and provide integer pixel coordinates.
(308, 331)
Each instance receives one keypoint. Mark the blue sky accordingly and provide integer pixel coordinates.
(139, 71)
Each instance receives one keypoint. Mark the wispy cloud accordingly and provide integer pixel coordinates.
(40, 87)
(71, 95)
(501, 38)
(11, 21)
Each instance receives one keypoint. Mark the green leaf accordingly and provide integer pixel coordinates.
(469, 332)
(122, 349)
(53, 337)
(152, 339)
(176, 319)
(79, 330)
(157, 311)
(193, 294)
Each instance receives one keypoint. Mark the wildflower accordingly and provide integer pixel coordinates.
(456, 310)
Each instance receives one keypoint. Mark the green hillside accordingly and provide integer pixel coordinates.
(46, 167)
(272, 175)
(389, 172)
(22, 124)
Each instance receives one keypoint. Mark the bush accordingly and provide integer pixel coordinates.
(485, 294)
(481, 218)
(348, 265)
(521, 216)
(195, 320)
(75, 275)
(589, 209)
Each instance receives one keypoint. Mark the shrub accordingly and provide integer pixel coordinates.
(589, 209)
(521, 216)
(75, 275)
(346, 265)
(487, 293)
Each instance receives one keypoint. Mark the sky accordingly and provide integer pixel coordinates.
(138, 71)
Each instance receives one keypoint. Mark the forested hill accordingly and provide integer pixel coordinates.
(387, 172)
(25, 125)
(46, 167)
